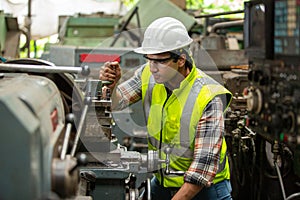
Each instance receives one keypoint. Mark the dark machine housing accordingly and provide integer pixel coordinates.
(266, 145)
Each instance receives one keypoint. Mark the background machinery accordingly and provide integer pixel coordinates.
(265, 144)
(9, 36)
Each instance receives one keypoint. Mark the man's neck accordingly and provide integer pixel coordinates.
(179, 77)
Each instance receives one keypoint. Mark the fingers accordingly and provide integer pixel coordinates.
(107, 73)
(110, 71)
(111, 65)
(104, 92)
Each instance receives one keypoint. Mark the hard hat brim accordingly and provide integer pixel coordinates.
(148, 50)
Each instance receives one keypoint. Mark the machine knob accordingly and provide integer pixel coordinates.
(132, 181)
(168, 150)
(85, 70)
(81, 161)
(254, 101)
(87, 100)
(70, 118)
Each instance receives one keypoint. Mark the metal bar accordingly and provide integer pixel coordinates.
(220, 25)
(250, 131)
(139, 27)
(29, 21)
(148, 189)
(280, 180)
(66, 141)
(39, 68)
(79, 130)
(219, 14)
(124, 26)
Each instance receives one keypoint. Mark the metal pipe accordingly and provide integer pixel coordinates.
(226, 24)
(219, 14)
(43, 68)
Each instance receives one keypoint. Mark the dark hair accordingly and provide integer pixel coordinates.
(176, 54)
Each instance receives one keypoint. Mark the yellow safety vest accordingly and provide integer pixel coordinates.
(174, 120)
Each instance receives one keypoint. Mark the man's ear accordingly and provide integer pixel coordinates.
(182, 60)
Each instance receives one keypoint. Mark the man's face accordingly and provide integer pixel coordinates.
(162, 67)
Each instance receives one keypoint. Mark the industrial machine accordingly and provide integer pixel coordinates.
(57, 138)
(265, 142)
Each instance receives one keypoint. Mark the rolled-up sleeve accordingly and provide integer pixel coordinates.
(130, 90)
(208, 142)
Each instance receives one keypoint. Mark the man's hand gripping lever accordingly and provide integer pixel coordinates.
(109, 74)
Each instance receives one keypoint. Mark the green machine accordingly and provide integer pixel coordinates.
(86, 30)
(9, 36)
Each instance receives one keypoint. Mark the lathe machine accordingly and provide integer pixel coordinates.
(57, 141)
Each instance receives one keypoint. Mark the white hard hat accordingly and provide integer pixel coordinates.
(163, 35)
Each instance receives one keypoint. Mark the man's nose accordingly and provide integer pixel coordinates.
(153, 66)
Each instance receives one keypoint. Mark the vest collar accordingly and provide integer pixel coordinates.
(188, 81)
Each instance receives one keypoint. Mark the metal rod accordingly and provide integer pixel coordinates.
(79, 130)
(250, 131)
(139, 27)
(220, 25)
(39, 68)
(178, 173)
(219, 14)
(124, 26)
(280, 180)
(66, 141)
(29, 21)
(293, 196)
(148, 189)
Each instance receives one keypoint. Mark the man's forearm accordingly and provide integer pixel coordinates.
(187, 191)
(116, 97)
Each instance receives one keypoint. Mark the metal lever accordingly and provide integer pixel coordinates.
(70, 122)
(81, 124)
(168, 151)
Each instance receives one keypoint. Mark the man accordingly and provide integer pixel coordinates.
(184, 112)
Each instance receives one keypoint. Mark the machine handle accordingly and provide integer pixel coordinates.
(81, 124)
(70, 121)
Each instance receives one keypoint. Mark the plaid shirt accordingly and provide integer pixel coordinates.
(208, 137)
